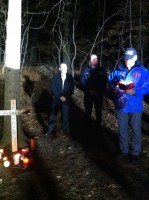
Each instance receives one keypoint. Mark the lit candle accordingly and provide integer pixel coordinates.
(24, 151)
(6, 163)
(5, 158)
(25, 162)
(1, 153)
(16, 158)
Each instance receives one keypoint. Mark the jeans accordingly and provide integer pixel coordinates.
(65, 109)
(89, 101)
(134, 120)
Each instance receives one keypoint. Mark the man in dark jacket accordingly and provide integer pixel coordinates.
(129, 82)
(94, 80)
(62, 89)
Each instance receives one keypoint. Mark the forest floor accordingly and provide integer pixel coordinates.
(78, 166)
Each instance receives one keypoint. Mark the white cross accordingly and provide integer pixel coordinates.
(13, 113)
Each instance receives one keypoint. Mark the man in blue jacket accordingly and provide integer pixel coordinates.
(93, 80)
(62, 87)
(129, 83)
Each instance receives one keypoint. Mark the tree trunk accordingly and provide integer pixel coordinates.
(12, 70)
(66, 37)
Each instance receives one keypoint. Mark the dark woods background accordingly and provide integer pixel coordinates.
(55, 31)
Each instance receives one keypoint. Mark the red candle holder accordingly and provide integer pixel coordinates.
(24, 151)
(32, 144)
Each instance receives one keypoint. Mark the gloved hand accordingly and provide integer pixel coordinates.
(130, 92)
(122, 86)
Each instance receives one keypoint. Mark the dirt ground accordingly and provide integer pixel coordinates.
(78, 166)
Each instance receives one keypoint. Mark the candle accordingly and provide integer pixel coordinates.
(6, 163)
(1, 153)
(5, 158)
(24, 151)
(32, 144)
(16, 158)
(25, 162)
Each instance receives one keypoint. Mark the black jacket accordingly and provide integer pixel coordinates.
(57, 90)
(94, 78)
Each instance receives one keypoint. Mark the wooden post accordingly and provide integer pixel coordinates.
(14, 136)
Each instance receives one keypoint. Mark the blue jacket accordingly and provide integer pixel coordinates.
(93, 79)
(140, 77)
(57, 90)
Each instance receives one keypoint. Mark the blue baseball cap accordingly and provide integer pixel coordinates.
(129, 53)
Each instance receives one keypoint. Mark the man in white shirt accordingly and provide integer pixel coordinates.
(62, 87)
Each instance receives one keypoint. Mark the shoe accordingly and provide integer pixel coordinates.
(121, 156)
(134, 159)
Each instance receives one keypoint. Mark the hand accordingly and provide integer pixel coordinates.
(122, 86)
(130, 92)
(63, 98)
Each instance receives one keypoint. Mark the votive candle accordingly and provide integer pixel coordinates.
(6, 163)
(24, 151)
(25, 162)
(16, 158)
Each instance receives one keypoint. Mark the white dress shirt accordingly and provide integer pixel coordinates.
(63, 76)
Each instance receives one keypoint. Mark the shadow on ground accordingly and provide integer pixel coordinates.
(99, 146)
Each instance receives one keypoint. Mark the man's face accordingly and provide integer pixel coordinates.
(94, 61)
(130, 63)
(63, 68)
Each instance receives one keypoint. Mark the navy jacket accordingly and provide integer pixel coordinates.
(137, 75)
(57, 90)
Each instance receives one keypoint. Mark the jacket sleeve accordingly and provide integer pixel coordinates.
(144, 88)
(69, 87)
(83, 78)
(112, 80)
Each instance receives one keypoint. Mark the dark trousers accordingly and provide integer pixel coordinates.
(89, 101)
(65, 109)
(134, 120)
